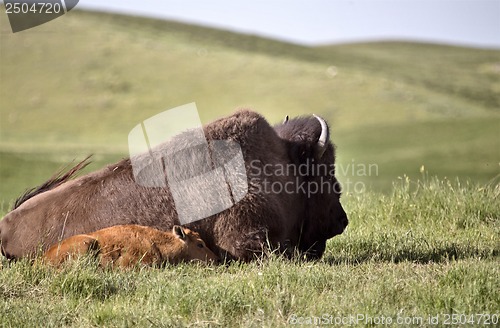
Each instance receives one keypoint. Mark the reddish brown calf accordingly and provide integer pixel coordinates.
(128, 245)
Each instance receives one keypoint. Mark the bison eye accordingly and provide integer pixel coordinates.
(200, 245)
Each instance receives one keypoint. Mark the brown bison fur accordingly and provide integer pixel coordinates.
(128, 245)
(110, 196)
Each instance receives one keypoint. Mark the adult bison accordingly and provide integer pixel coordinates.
(292, 201)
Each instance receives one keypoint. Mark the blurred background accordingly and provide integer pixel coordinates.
(407, 86)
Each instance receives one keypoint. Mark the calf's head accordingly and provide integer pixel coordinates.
(310, 149)
(193, 246)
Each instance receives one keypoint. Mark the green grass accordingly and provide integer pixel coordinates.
(466, 148)
(429, 248)
(413, 249)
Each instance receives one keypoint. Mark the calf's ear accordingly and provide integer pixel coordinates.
(179, 232)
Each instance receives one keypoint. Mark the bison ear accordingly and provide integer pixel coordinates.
(179, 232)
(299, 153)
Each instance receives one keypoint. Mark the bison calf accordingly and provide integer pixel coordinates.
(128, 245)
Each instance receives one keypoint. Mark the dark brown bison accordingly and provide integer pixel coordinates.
(128, 245)
(292, 199)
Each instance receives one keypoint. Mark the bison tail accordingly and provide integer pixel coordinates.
(57, 179)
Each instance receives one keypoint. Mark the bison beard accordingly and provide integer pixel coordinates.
(289, 222)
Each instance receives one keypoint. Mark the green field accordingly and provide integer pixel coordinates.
(79, 84)
(429, 249)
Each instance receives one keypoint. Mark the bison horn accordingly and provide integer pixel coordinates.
(285, 120)
(323, 137)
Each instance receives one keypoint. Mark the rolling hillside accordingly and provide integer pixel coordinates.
(78, 85)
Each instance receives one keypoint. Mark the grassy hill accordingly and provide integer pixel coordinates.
(80, 83)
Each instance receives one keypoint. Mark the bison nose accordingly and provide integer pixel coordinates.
(344, 221)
